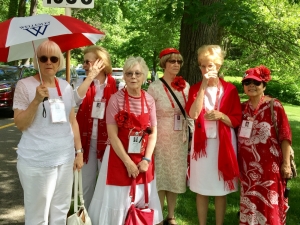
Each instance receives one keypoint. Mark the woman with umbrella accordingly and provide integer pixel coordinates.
(46, 155)
(92, 96)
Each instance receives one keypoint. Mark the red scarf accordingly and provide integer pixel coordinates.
(85, 121)
(229, 105)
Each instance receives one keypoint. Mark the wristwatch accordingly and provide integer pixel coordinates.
(79, 151)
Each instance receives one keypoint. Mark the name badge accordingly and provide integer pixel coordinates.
(246, 129)
(210, 128)
(98, 109)
(135, 143)
(178, 122)
(57, 110)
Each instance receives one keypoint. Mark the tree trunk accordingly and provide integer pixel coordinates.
(192, 36)
(22, 8)
(33, 7)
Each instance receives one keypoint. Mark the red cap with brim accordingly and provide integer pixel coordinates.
(246, 77)
(168, 51)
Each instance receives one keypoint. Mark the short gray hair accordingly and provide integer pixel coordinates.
(132, 61)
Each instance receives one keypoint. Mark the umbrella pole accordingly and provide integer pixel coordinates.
(37, 62)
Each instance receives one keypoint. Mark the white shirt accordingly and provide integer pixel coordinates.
(43, 143)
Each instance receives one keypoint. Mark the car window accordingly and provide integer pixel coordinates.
(9, 74)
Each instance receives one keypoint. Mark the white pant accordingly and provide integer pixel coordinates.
(47, 192)
(89, 174)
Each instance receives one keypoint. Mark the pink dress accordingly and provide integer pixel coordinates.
(260, 157)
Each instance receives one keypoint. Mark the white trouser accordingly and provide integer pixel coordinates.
(47, 192)
(89, 174)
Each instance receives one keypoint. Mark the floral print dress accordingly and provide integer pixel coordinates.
(260, 157)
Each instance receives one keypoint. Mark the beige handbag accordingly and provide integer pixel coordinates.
(293, 164)
(80, 215)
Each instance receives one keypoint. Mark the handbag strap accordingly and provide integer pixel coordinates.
(133, 190)
(78, 190)
(174, 96)
(273, 117)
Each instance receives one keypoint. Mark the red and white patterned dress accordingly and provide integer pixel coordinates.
(260, 158)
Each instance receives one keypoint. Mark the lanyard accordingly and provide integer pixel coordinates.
(256, 109)
(58, 88)
(170, 98)
(217, 98)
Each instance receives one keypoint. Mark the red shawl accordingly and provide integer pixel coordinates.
(230, 105)
(85, 121)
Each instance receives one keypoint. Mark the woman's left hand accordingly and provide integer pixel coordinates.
(78, 162)
(143, 166)
(286, 171)
(213, 115)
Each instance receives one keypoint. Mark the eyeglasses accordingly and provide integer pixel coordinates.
(130, 74)
(173, 61)
(44, 59)
(87, 62)
(251, 81)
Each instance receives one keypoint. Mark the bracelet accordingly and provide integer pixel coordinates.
(147, 159)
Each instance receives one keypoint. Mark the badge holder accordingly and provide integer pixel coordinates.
(135, 142)
(211, 129)
(98, 109)
(57, 110)
(246, 129)
(178, 122)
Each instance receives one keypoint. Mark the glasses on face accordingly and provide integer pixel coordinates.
(44, 59)
(251, 81)
(130, 74)
(87, 62)
(173, 61)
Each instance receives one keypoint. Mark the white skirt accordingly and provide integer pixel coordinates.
(204, 174)
(110, 203)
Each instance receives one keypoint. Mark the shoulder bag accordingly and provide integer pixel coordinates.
(293, 164)
(139, 216)
(80, 216)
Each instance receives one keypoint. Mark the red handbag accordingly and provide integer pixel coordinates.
(139, 216)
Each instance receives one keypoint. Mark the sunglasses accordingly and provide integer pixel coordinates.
(44, 59)
(87, 62)
(173, 61)
(250, 81)
(130, 74)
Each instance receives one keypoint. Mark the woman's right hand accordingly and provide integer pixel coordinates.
(132, 169)
(41, 93)
(95, 69)
(213, 74)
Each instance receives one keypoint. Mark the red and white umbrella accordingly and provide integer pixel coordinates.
(20, 35)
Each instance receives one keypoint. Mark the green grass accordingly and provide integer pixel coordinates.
(186, 213)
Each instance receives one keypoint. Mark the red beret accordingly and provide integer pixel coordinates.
(168, 51)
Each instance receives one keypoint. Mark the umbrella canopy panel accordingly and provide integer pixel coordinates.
(20, 33)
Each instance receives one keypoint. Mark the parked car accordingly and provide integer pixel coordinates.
(117, 74)
(9, 75)
(74, 79)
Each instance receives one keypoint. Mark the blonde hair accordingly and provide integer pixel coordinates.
(132, 61)
(51, 48)
(101, 53)
(212, 52)
(163, 60)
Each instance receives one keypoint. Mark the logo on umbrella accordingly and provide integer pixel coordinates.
(35, 29)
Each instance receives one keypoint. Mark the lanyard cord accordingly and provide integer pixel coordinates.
(256, 109)
(46, 98)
